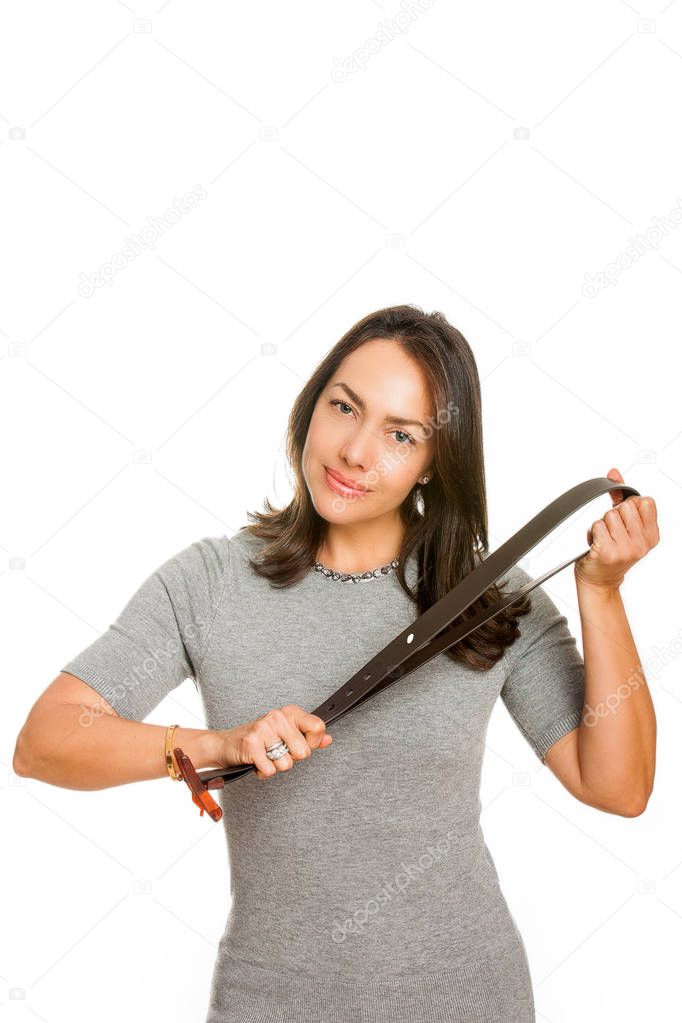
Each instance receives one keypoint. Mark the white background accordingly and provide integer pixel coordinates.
(478, 158)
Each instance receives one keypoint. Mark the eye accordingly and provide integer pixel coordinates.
(337, 402)
(409, 436)
(340, 401)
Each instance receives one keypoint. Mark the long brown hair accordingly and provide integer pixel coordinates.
(446, 522)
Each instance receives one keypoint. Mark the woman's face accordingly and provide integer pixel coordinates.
(366, 428)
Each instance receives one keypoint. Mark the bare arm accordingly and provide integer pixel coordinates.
(75, 739)
(610, 760)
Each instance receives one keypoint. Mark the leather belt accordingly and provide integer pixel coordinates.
(430, 633)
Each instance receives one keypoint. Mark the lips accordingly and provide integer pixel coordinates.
(345, 484)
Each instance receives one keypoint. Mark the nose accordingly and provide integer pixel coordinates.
(360, 449)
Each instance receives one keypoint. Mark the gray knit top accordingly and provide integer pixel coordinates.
(362, 887)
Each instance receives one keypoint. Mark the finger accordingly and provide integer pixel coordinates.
(632, 520)
(255, 744)
(272, 728)
(601, 538)
(616, 495)
(280, 721)
(298, 748)
(647, 513)
(311, 725)
(637, 534)
(616, 526)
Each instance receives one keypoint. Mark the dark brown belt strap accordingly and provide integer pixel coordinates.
(425, 638)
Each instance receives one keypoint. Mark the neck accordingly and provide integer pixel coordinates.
(360, 548)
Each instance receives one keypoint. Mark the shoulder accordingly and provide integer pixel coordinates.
(514, 578)
(543, 609)
(195, 577)
(212, 561)
(205, 558)
(544, 625)
(245, 544)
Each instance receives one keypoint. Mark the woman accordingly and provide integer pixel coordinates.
(362, 885)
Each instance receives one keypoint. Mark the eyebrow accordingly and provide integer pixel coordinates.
(360, 403)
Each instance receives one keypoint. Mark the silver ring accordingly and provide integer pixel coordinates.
(279, 749)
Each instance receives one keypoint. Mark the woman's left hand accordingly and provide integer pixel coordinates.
(625, 534)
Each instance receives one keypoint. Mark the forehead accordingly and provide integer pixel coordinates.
(387, 378)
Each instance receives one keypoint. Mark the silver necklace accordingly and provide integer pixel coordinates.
(372, 573)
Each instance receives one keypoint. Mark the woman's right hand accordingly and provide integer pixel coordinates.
(246, 744)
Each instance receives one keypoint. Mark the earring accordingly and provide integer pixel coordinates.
(424, 479)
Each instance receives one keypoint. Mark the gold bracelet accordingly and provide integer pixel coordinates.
(170, 763)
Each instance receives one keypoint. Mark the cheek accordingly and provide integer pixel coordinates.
(321, 446)
(399, 472)
(315, 434)
(325, 434)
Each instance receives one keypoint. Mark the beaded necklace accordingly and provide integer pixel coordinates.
(372, 573)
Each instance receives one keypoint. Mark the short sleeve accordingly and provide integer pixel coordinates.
(544, 687)
(159, 638)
